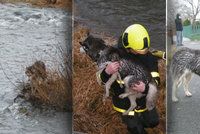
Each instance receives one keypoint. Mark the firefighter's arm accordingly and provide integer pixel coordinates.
(154, 73)
(156, 77)
(103, 77)
(159, 54)
(110, 69)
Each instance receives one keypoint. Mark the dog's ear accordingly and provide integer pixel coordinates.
(88, 33)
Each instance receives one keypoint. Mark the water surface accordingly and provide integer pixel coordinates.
(28, 34)
(113, 16)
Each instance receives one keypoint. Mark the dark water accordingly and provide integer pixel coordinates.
(28, 34)
(113, 16)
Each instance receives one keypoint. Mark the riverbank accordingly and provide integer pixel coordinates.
(64, 4)
(46, 87)
(89, 113)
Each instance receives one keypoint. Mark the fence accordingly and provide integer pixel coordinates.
(191, 31)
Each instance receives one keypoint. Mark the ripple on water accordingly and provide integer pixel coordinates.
(115, 15)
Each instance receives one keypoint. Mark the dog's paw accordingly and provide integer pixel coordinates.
(107, 94)
(174, 99)
(104, 100)
(187, 93)
(121, 85)
(125, 113)
(122, 96)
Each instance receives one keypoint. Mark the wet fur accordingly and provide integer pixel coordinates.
(184, 63)
(36, 73)
(131, 71)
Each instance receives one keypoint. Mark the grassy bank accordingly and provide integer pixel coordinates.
(89, 113)
(65, 4)
(195, 37)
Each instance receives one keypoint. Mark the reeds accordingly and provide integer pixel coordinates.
(47, 87)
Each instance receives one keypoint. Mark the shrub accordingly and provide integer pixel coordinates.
(187, 22)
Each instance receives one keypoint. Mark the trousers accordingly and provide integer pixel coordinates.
(179, 38)
(136, 124)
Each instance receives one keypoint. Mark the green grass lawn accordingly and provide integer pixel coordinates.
(195, 37)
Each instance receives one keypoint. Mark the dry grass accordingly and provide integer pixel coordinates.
(89, 113)
(51, 91)
(65, 4)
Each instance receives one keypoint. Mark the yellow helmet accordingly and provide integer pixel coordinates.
(136, 37)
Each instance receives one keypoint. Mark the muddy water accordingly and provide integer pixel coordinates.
(28, 34)
(113, 16)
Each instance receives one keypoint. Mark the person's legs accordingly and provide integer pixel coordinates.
(134, 125)
(135, 130)
(181, 38)
(137, 123)
(150, 119)
(178, 38)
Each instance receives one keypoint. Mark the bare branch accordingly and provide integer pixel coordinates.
(1, 67)
(190, 9)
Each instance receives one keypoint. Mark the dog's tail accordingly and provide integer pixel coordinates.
(194, 65)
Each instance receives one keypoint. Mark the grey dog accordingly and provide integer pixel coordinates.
(131, 71)
(184, 62)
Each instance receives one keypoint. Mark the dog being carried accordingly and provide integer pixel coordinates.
(131, 71)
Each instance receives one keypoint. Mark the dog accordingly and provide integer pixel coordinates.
(184, 63)
(131, 71)
(36, 73)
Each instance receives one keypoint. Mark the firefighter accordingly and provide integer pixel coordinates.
(135, 42)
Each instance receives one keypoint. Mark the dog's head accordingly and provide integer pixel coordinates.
(92, 47)
(38, 69)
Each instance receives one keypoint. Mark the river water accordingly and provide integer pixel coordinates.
(28, 34)
(113, 16)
